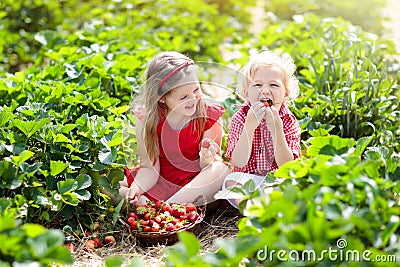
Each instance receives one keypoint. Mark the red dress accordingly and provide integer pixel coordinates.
(179, 155)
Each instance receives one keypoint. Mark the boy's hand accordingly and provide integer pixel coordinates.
(255, 114)
(272, 118)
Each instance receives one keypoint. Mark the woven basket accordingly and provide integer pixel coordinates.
(168, 237)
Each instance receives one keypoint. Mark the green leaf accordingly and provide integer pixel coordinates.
(16, 148)
(191, 243)
(46, 242)
(5, 116)
(391, 228)
(70, 198)
(7, 223)
(57, 167)
(60, 138)
(114, 261)
(108, 157)
(30, 127)
(84, 181)
(67, 185)
(33, 230)
(362, 143)
(83, 194)
(119, 110)
(22, 157)
(118, 210)
(329, 145)
(67, 128)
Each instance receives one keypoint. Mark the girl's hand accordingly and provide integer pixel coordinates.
(140, 113)
(131, 193)
(208, 151)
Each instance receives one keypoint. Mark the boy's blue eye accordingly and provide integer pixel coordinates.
(258, 85)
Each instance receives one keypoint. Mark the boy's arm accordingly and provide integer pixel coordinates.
(242, 151)
(282, 151)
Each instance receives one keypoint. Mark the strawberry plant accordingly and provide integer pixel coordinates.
(339, 193)
(29, 244)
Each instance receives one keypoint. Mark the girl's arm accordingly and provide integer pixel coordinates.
(148, 173)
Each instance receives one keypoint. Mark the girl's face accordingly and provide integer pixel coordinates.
(268, 82)
(182, 100)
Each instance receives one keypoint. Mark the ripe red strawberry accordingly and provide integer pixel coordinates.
(175, 221)
(70, 247)
(90, 245)
(193, 216)
(134, 226)
(147, 216)
(97, 242)
(178, 211)
(109, 239)
(162, 224)
(158, 204)
(166, 207)
(267, 102)
(157, 219)
(170, 227)
(190, 207)
(184, 217)
(147, 229)
(131, 220)
(133, 215)
(205, 143)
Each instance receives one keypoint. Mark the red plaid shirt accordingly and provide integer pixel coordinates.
(262, 158)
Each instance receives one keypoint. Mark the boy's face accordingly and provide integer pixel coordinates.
(268, 83)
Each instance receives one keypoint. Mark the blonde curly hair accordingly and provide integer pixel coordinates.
(268, 58)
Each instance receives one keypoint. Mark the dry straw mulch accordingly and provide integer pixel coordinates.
(218, 223)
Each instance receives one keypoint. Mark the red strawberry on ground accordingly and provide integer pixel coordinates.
(109, 239)
(70, 247)
(90, 245)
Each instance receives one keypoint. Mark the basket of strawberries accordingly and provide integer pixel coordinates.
(160, 222)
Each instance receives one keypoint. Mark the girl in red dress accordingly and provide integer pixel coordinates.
(178, 136)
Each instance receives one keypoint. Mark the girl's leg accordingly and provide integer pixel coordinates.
(206, 183)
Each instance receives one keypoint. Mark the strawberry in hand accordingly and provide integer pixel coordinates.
(208, 151)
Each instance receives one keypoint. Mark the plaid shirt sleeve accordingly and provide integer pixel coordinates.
(292, 132)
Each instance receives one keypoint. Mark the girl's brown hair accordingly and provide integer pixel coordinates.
(161, 66)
